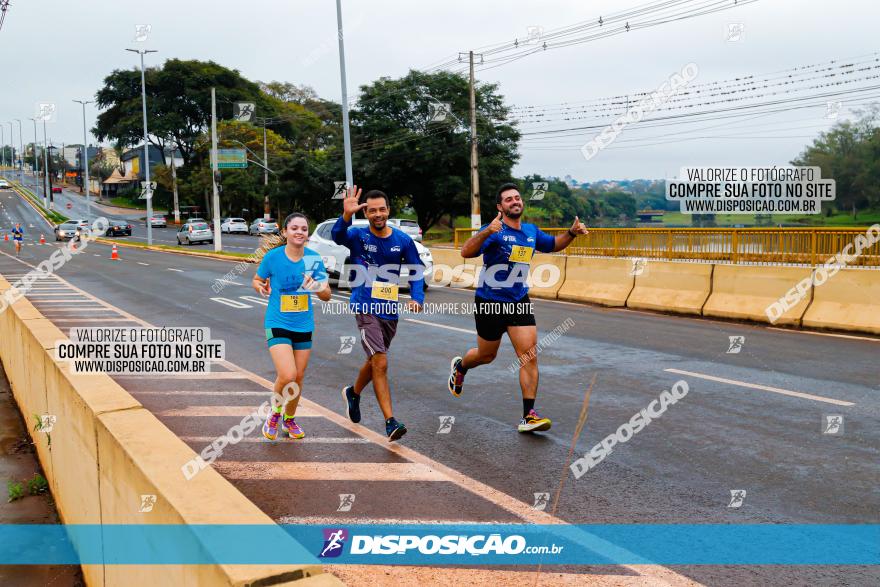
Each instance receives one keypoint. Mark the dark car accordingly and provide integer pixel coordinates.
(118, 228)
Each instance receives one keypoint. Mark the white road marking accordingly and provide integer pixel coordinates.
(173, 269)
(231, 303)
(831, 334)
(255, 299)
(144, 264)
(426, 323)
(307, 439)
(809, 396)
(335, 471)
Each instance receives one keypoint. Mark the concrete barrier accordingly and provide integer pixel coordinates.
(537, 286)
(105, 451)
(672, 287)
(599, 281)
(458, 271)
(745, 292)
(849, 300)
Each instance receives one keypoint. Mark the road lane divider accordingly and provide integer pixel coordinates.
(850, 300)
(597, 280)
(664, 286)
(744, 292)
(788, 392)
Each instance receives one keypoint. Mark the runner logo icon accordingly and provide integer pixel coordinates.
(334, 540)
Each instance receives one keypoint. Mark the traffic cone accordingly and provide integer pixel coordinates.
(114, 254)
(42, 239)
(6, 237)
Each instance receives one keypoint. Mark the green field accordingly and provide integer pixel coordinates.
(864, 219)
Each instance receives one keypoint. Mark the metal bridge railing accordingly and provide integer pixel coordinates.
(803, 246)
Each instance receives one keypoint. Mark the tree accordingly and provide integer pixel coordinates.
(396, 147)
(178, 103)
(850, 154)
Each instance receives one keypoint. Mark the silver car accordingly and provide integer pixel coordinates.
(67, 230)
(158, 221)
(263, 226)
(410, 227)
(194, 232)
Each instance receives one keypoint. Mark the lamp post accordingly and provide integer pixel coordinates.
(85, 159)
(37, 166)
(148, 191)
(20, 154)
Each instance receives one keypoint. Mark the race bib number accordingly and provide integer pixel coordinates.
(295, 303)
(385, 291)
(520, 254)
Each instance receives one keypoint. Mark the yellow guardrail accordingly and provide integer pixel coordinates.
(808, 246)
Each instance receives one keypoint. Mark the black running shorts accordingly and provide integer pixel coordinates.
(493, 318)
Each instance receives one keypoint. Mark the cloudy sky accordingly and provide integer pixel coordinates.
(57, 51)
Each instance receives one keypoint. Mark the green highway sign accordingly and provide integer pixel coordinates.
(231, 159)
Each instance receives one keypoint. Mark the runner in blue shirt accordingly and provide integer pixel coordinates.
(17, 236)
(502, 296)
(378, 253)
(288, 275)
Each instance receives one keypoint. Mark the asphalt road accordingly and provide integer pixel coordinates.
(752, 420)
(238, 243)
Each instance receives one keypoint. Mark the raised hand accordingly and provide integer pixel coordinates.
(495, 225)
(350, 205)
(578, 227)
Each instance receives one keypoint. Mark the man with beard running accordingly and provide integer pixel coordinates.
(502, 300)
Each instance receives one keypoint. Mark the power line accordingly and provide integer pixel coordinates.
(4, 6)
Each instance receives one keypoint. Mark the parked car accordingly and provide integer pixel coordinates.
(232, 225)
(118, 228)
(263, 226)
(67, 230)
(158, 221)
(336, 256)
(410, 227)
(194, 232)
(4, 185)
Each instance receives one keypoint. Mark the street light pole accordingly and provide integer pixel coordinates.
(20, 154)
(346, 135)
(148, 192)
(11, 145)
(3, 145)
(85, 158)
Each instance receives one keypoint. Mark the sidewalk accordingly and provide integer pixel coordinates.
(18, 463)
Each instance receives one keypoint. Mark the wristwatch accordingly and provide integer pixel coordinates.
(572, 234)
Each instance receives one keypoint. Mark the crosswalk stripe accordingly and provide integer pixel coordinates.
(335, 471)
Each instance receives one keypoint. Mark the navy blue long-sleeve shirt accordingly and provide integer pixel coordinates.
(379, 261)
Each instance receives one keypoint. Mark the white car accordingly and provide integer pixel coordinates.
(158, 221)
(232, 225)
(410, 227)
(336, 256)
(4, 185)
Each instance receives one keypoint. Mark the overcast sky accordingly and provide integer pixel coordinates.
(57, 51)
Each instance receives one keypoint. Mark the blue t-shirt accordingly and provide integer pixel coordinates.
(379, 261)
(506, 258)
(17, 234)
(290, 306)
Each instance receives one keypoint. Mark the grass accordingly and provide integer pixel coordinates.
(838, 219)
(14, 491)
(123, 202)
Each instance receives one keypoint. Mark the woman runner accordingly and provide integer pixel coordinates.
(288, 275)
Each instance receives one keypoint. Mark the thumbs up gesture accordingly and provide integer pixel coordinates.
(495, 225)
(578, 227)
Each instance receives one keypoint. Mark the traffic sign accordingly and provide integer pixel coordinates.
(243, 111)
(231, 159)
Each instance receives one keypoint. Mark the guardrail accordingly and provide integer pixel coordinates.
(801, 246)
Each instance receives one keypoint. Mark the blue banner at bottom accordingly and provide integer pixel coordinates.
(444, 544)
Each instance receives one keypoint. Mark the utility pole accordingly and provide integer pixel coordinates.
(214, 171)
(148, 191)
(47, 183)
(346, 135)
(174, 186)
(85, 158)
(12, 144)
(267, 212)
(37, 166)
(476, 221)
(3, 143)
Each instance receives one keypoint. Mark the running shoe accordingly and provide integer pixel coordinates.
(456, 377)
(534, 423)
(291, 428)
(352, 404)
(270, 428)
(394, 429)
